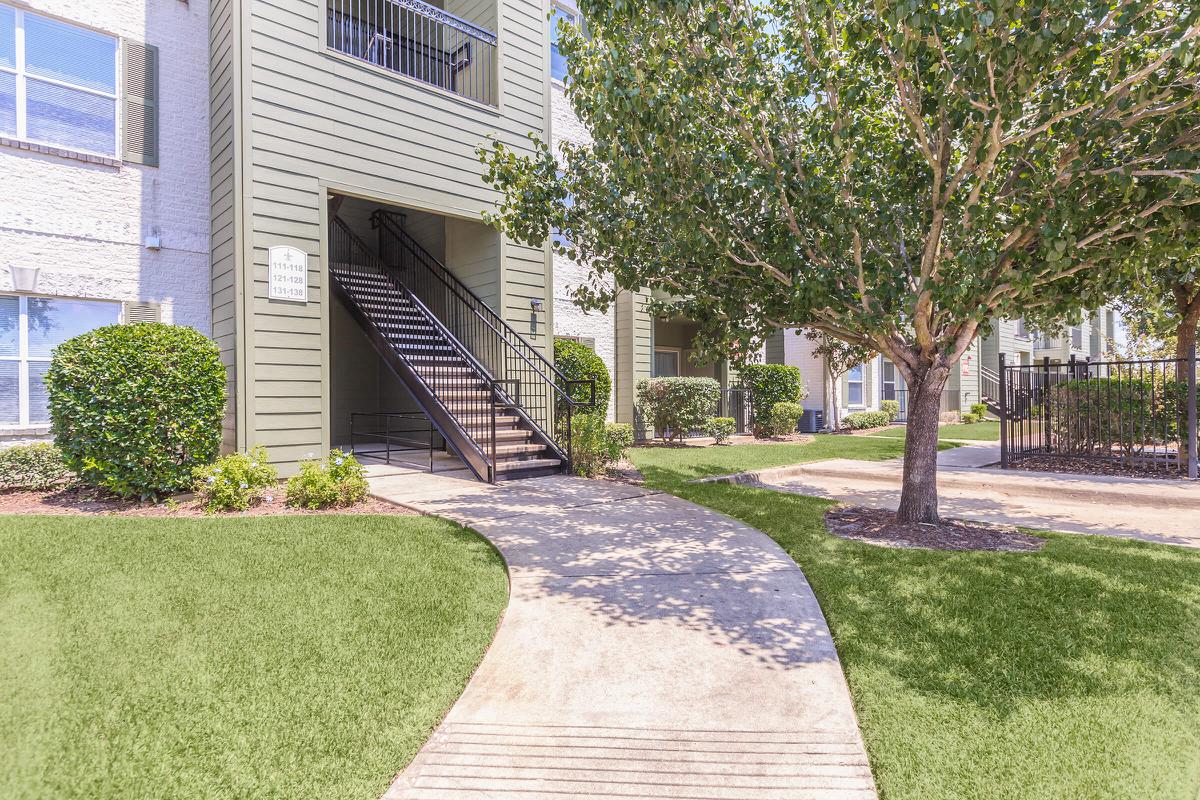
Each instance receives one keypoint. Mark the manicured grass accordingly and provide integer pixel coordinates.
(987, 431)
(1073, 672)
(700, 462)
(269, 657)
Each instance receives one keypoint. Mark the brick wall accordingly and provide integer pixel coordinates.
(569, 319)
(84, 224)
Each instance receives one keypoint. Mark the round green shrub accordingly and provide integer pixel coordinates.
(578, 362)
(136, 408)
(770, 384)
(720, 428)
(34, 467)
(891, 408)
(677, 406)
(785, 418)
(979, 409)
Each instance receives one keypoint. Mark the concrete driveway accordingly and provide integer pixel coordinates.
(651, 649)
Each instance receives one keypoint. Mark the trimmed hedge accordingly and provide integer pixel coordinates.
(1098, 415)
(891, 408)
(36, 467)
(861, 420)
(136, 408)
(595, 445)
(770, 384)
(578, 362)
(785, 418)
(677, 406)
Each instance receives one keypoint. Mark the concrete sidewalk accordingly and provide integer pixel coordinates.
(651, 649)
(1154, 510)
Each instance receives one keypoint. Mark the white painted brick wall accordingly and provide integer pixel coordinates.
(570, 319)
(82, 224)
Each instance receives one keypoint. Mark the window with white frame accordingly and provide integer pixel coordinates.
(558, 62)
(58, 83)
(854, 386)
(30, 329)
(666, 363)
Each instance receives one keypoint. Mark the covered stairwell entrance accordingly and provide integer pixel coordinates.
(490, 395)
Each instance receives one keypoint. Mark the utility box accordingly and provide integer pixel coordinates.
(812, 421)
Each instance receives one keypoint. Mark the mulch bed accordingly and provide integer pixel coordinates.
(83, 500)
(624, 471)
(879, 527)
(1082, 466)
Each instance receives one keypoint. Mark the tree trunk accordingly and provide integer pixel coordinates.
(1185, 340)
(918, 495)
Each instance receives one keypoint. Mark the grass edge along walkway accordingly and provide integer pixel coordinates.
(265, 657)
(1071, 672)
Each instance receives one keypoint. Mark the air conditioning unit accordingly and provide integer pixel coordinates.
(812, 421)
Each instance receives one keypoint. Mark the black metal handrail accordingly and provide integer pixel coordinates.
(529, 380)
(351, 257)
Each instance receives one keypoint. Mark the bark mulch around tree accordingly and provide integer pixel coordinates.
(1087, 466)
(879, 527)
(623, 471)
(82, 500)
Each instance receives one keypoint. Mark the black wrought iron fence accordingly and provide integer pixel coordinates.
(1140, 415)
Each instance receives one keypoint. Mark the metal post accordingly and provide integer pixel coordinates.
(1003, 417)
(1046, 403)
(1191, 431)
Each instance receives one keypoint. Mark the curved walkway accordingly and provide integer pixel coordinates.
(651, 649)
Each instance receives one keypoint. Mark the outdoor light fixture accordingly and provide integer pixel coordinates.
(24, 279)
(536, 304)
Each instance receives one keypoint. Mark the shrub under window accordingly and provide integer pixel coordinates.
(34, 466)
(136, 408)
(677, 406)
(337, 480)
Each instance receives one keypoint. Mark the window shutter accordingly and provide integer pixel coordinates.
(135, 311)
(140, 99)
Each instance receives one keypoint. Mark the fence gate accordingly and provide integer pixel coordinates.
(1130, 416)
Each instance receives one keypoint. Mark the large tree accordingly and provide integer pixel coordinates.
(892, 174)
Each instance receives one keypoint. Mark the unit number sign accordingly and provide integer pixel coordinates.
(287, 274)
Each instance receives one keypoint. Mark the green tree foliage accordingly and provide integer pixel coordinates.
(136, 408)
(887, 172)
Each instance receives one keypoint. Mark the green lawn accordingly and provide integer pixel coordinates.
(1073, 672)
(699, 462)
(269, 657)
(987, 431)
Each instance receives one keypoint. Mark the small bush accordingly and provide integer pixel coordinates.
(676, 406)
(136, 408)
(620, 436)
(34, 467)
(891, 408)
(979, 409)
(785, 418)
(861, 420)
(770, 384)
(970, 418)
(334, 481)
(595, 445)
(236, 481)
(720, 428)
(578, 362)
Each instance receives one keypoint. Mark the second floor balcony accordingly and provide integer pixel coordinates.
(421, 41)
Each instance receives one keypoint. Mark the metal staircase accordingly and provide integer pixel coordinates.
(501, 406)
(989, 390)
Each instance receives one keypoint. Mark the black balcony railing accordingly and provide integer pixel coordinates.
(417, 40)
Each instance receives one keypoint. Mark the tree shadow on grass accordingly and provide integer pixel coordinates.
(1084, 616)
